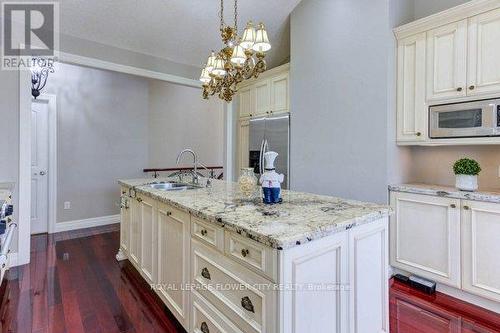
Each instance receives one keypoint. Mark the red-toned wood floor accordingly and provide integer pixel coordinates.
(74, 284)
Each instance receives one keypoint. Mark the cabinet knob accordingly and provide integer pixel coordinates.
(205, 273)
(472, 87)
(203, 232)
(246, 303)
(169, 213)
(244, 252)
(418, 134)
(459, 89)
(139, 199)
(466, 207)
(204, 328)
(453, 206)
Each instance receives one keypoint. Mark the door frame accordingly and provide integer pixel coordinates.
(52, 165)
(24, 178)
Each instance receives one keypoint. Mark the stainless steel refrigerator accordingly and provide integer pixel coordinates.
(270, 134)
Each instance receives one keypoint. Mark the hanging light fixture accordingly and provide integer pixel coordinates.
(235, 62)
(40, 69)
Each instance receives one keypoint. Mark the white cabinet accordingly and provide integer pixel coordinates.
(425, 236)
(411, 106)
(147, 213)
(481, 248)
(484, 50)
(266, 95)
(173, 260)
(124, 221)
(447, 61)
(243, 144)
(134, 253)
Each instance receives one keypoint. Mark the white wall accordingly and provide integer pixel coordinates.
(342, 76)
(180, 118)
(425, 8)
(102, 129)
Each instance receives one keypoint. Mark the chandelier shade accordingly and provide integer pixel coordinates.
(240, 58)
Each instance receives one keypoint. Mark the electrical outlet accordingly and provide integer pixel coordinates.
(67, 205)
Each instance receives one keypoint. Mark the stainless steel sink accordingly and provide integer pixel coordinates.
(172, 186)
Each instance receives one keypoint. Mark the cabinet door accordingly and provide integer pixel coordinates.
(124, 222)
(279, 94)
(446, 61)
(425, 236)
(411, 109)
(481, 248)
(247, 108)
(173, 260)
(243, 147)
(148, 238)
(262, 97)
(135, 233)
(484, 50)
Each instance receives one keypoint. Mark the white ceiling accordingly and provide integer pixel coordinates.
(183, 31)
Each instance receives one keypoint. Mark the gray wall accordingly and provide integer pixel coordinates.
(102, 128)
(180, 118)
(341, 96)
(425, 8)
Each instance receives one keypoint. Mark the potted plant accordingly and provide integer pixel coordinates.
(466, 171)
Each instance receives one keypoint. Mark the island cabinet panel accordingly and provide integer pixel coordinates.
(425, 236)
(173, 260)
(481, 248)
(314, 276)
(135, 233)
(369, 278)
(147, 213)
(124, 221)
(484, 48)
(447, 61)
(246, 298)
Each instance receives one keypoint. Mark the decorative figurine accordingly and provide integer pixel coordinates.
(271, 180)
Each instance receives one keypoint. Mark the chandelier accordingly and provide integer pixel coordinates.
(235, 62)
(40, 69)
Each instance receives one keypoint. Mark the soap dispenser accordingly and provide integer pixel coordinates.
(271, 180)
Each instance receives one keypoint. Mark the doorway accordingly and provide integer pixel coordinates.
(43, 163)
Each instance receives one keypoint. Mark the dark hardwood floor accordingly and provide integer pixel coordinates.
(74, 284)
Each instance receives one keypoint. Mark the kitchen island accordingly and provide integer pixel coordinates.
(223, 263)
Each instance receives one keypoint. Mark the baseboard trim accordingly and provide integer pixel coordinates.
(86, 223)
(13, 259)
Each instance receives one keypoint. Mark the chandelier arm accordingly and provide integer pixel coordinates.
(221, 14)
(236, 16)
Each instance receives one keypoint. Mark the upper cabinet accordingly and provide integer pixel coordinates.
(445, 58)
(484, 50)
(446, 61)
(266, 95)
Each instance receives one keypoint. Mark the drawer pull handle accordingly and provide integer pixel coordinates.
(459, 89)
(419, 134)
(244, 252)
(466, 207)
(205, 273)
(453, 206)
(169, 213)
(472, 87)
(203, 232)
(246, 303)
(139, 199)
(204, 328)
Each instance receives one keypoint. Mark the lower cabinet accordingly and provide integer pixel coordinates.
(134, 253)
(173, 260)
(481, 248)
(149, 232)
(125, 221)
(451, 241)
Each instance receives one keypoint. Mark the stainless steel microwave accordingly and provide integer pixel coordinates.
(465, 120)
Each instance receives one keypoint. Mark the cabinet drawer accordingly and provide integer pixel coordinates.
(207, 319)
(208, 233)
(246, 298)
(257, 257)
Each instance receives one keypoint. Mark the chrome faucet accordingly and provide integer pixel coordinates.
(195, 163)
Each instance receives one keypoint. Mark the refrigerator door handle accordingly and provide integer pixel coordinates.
(261, 156)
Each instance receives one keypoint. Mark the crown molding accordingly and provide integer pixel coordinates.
(454, 14)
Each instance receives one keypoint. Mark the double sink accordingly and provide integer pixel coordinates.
(173, 186)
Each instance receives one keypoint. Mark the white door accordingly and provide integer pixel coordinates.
(147, 211)
(39, 166)
(484, 48)
(425, 236)
(246, 102)
(262, 98)
(279, 93)
(244, 144)
(447, 61)
(412, 109)
(480, 249)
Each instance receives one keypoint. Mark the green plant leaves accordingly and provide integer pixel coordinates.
(466, 166)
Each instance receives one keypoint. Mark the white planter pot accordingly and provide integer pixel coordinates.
(466, 183)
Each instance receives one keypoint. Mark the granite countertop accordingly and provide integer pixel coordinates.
(447, 191)
(301, 218)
